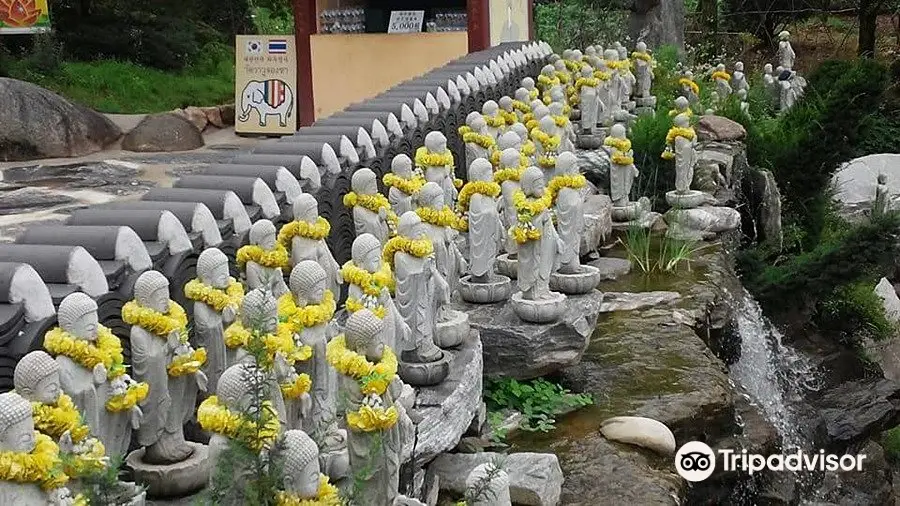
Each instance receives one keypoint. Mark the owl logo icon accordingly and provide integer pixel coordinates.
(254, 47)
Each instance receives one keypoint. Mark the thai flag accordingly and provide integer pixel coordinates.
(277, 47)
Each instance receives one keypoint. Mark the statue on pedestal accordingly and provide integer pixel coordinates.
(264, 259)
(488, 485)
(587, 86)
(403, 182)
(605, 98)
(629, 81)
(547, 139)
(539, 248)
(680, 142)
(786, 55)
(372, 213)
(479, 142)
(882, 196)
(496, 122)
(739, 79)
(437, 162)
(617, 82)
(722, 80)
(643, 63)
(689, 88)
(622, 170)
(563, 125)
(305, 236)
(302, 481)
(217, 299)
(511, 169)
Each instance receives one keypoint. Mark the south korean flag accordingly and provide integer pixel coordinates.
(254, 47)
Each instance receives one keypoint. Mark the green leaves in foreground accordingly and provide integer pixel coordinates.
(538, 400)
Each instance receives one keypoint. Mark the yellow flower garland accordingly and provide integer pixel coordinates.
(373, 203)
(327, 495)
(369, 419)
(41, 466)
(483, 140)
(408, 186)
(573, 181)
(509, 174)
(426, 159)
(215, 298)
(509, 117)
(719, 74)
(603, 76)
(495, 158)
(526, 209)
(299, 228)
(623, 145)
(522, 107)
(311, 315)
(590, 82)
(675, 112)
(545, 83)
(463, 129)
(528, 149)
(106, 350)
(533, 93)
(215, 417)
(353, 305)
(563, 77)
(686, 132)
(158, 324)
(57, 418)
(621, 159)
(547, 161)
(134, 395)
(685, 82)
(277, 258)
(188, 363)
(296, 388)
(92, 461)
(641, 55)
(573, 65)
(548, 142)
(489, 188)
(372, 378)
(282, 341)
(560, 120)
(371, 284)
(530, 122)
(419, 248)
(444, 217)
(497, 121)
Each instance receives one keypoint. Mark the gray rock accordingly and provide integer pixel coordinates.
(594, 164)
(597, 222)
(855, 410)
(108, 176)
(657, 22)
(513, 348)
(855, 181)
(163, 132)
(30, 199)
(611, 268)
(871, 485)
(886, 353)
(640, 431)
(535, 479)
(767, 212)
(718, 128)
(213, 116)
(38, 124)
(447, 409)
(630, 301)
(701, 222)
(197, 117)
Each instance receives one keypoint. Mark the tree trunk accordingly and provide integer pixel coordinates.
(709, 15)
(868, 21)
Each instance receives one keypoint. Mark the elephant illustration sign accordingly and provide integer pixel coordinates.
(265, 77)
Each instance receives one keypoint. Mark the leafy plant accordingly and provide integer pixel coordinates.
(855, 312)
(538, 400)
(105, 487)
(663, 255)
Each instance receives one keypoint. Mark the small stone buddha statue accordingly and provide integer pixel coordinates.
(528, 84)
(771, 84)
(509, 140)
(526, 146)
(562, 71)
(372, 212)
(643, 64)
(162, 358)
(507, 111)
(587, 86)
(739, 79)
(437, 162)
(38, 485)
(302, 481)
(264, 259)
(714, 103)
(440, 222)
(789, 92)
(723, 82)
(786, 55)
(682, 106)
(628, 78)
(217, 299)
(468, 126)
(546, 80)
(105, 396)
(882, 196)
(508, 177)
(616, 84)
(522, 104)
(402, 182)
(622, 169)
(605, 97)
(547, 137)
(563, 125)
(487, 485)
(680, 146)
(373, 432)
(568, 205)
(742, 96)
(496, 123)
(689, 88)
(305, 236)
(479, 142)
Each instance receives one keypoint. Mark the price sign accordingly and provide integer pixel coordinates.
(406, 21)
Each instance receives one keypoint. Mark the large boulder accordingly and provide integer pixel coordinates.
(163, 132)
(640, 431)
(886, 353)
(36, 123)
(535, 479)
(856, 410)
(855, 181)
(718, 128)
(766, 210)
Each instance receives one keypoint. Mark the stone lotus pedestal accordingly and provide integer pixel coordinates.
(591, 141)
(506, 266)
(453, 330)
(496, 290)
(700, 223)
(538, 311)
(635, 214)
(645, 105)
(425, 374)
(687, 200)
(576, 283)
(172, 480)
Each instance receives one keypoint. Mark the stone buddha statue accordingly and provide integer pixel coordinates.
(306, 239)
(480, 143)
(439, 222)
(496, 123)
(158, 342)
(548, 139)
(739, 79)
(526, 145)
(528, 84)
(682, 106)
(372, 212)
(882, 204)
(605, 95)
(771, 84)
(588, 88)
(622, 170)
(217, 298)
(539, 253)
(629, 81)
(643, 65)
(19, 441)
(616, 81)
(507, 111)
(302, 481)
(487, 485)
(723, 82)
(437, 162)
(508, 177)
(742, 96)
(563, 125)
(264, 259)
(786, 55)
(568, 205)
(546, 80)
(522, 103)
(689, 88)
(680, 146)
(403, 182)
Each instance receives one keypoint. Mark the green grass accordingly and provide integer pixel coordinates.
(122, 87)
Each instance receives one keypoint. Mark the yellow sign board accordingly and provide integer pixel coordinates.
(265, 84)
(24, 16)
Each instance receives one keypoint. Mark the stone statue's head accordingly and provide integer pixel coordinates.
(262, 234)
(784, 35)
(688, 74)
(882, 178)
(533, 182)
(402, 165)
(742, 94)
(497, 487)
(682, 103)
(601, 65)
(567, 163)
(535, 104)
(576, 55)
(234, 387)
(547, 124)
(77, 315)
(528, 83)
(509, 140)
(720, 67)
(618, 131)
(471, 117)
(521, 130)
(554, 57)
(622, 50)
(682, 121)
(556, 108)
(481, 170)
(567, 54)
(590, 50)
(479, 125)
(767, 68)
(151, 290)
(490, 108)
(558, 94)
(505, 103)
(739, 66)
(306, 208)
(301, 464)
(510, 158)
(431, 196)
(560, 65)
(16, 424)
(410, 225)
(548, 70)
(611, 55)
(714, 96)
(364, 181)
(587, 71)
(308, 282)
(36, 378)
(364, 334)
(641, 47)
(366, 252)
(436, 142)
(259, 311)
(779, 70)
(540, 111)
(212, 267)
(522, 95)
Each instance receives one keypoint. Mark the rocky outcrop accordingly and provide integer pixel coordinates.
(855, 181)
(597, 222)
(37, 123)
(163, 132)
(699, 223)
(856, 410)
(657, 22)
(766, 209)
(718, 128)
(721, 168)
(535, 479)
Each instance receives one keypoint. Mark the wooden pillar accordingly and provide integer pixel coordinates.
(304, 26)
(478, 13)
(530, 19)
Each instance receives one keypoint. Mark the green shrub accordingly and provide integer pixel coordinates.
(566, 24)
(648, 140)
(854, 312)
(890, 441)
(538, 400)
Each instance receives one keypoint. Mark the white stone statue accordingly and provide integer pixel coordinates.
(548, 139)
(588, 88)
(437, 162)
(769, 81)
(507, 111)
(786, 55)
(479, 207)
(622, 170)
(680, 146)
(546, 80)
(528, 84)
(563, 125)
(508, 178)
(629, 81)
(162, 358)
(714, 103)
(643, 65)
(682, 106)
(739, 79)
(496, 123)
(689, 88)
(302, 480)
(742, 96)
(372, 213)
(439, 222)
(487, 485)
(617, 84)
(305, 236)
(104, 394)
(264, 259)
(723, 82)
(568, 207)
(522, 104)
(479, 142)
(882, 196)
(606, 104)
(403, 182)
(525, 145)
(789, 92)
(20, 443)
